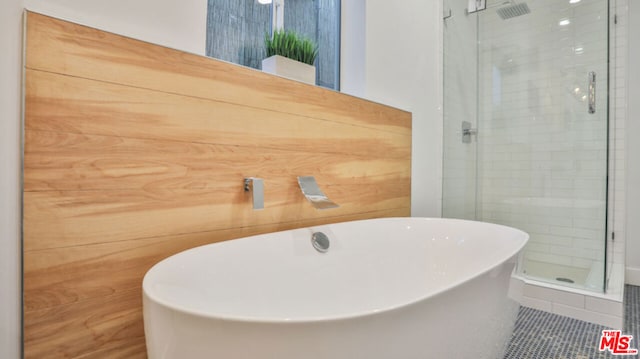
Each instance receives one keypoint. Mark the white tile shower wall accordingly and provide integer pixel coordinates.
(605, 309)
(544, 161)
(555, 229)
(460, 81)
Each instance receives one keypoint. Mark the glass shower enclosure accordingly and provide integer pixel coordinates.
(526, 128)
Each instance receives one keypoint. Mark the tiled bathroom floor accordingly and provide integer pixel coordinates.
(542, 335)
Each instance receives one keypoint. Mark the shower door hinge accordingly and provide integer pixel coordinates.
(615, 19)
(476, 5)
(613, 236)
(467, 131)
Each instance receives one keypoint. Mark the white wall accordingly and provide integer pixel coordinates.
(402, 69)
(633, 150)
(10, 99)
(172, 23)
(177, 24)
(352, 47)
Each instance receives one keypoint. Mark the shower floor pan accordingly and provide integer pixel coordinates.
(560, 274)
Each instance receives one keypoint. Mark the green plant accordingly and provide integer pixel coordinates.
(289, 44)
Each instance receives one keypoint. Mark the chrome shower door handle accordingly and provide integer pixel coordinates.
(592, 92)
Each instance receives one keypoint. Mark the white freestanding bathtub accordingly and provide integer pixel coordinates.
(386, 288)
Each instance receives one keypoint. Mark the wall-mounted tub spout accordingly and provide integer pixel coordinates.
(310, 189)
(256, 187)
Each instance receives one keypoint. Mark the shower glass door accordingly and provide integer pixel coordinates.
(531, 78)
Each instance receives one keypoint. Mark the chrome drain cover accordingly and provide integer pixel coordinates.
(320, 242)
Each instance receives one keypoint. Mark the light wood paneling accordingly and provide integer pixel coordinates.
(67, 48)
(108, 325)
(69, 161)
(61, 103)
(67, 218)
(134, 152)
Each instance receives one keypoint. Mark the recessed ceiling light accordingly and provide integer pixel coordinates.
(564, 22)
(574, 1)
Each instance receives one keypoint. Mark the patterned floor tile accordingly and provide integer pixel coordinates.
(542, 335)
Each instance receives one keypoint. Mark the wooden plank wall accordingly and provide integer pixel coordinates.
(134, 152)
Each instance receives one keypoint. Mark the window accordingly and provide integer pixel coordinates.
(236, 31)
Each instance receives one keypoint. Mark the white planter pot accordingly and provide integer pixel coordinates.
(291, 69)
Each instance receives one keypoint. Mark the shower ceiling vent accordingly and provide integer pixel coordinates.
(513, 11)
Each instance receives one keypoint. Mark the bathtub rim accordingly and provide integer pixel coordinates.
(325, 319)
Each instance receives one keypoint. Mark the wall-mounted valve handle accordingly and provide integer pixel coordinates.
(256, 187)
